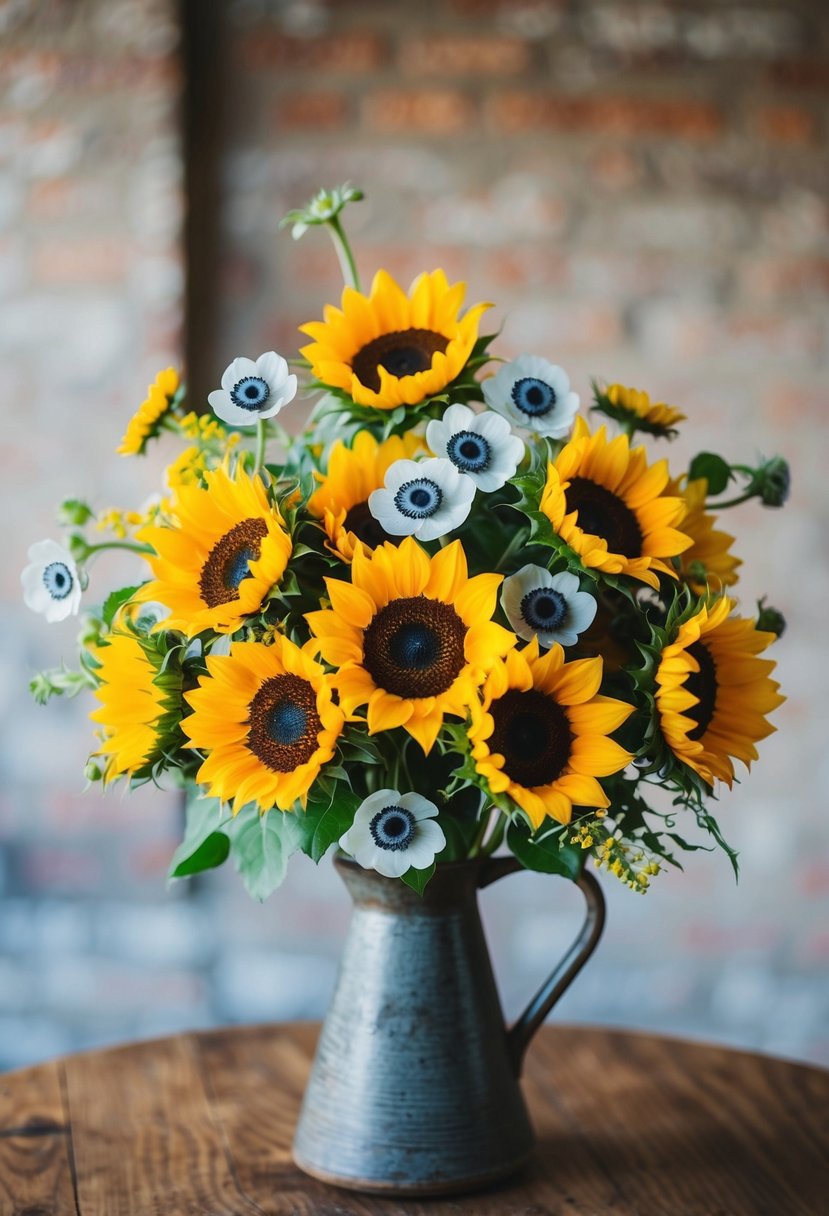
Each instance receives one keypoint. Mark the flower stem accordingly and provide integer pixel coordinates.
(261, 439)
(731, 502)
(475, 847)
(497, 835)
(117, 544)
(343, 250)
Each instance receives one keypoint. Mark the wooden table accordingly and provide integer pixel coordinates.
(202, 1124)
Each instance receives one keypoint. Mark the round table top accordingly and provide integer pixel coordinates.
(202, 1123)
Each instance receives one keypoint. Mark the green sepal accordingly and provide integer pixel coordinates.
(548, 853)
(418, 880)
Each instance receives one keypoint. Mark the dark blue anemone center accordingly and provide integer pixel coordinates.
(414, 647)
(287, 722)
(418, 499)
(58, 580)
(533, 397)
(469, 451)
(238, 567)
(250, 393)
(393, 828)
(544, 609)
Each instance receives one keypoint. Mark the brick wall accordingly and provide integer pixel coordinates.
(641, 189)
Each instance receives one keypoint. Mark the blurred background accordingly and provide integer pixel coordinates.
(642, 190)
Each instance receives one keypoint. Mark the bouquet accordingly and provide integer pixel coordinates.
(454, 615)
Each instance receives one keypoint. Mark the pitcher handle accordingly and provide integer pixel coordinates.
(525, 1026)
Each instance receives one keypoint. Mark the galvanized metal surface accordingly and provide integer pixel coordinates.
(414, 1088)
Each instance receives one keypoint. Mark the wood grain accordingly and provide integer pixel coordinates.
(627, 1124)
(35, 1160)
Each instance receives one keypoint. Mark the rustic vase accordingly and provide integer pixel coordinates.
(415, 1085)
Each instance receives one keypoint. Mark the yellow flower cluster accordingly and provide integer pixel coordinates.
(631, 865)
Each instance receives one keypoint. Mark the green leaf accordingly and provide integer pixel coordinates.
(418, 879)
(715, 470)
(547, 856)
(211, 853)
(114, 601)
(324, 822)
(204, 817)
(260, 846)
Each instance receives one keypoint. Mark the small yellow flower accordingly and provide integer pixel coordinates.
(709, 562)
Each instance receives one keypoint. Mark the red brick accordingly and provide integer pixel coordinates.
(526, 266)
(315, 111)
(356, 51)
(465, 54)
(516, 111)
(430, 111)
(786, 124)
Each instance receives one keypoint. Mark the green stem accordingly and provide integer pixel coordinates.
(261, 439)
(497, 835)
(117, 544)
(731, 502)
(475, 847)
(343, 250)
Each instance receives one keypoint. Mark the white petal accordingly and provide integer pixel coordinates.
(493, 427)
(565, 582)
(273, 368)
(459, 418)
(46, 551)
(236, 371)
(420, 807)
(232, 414)
(581, 611)
(392, 863)
(401, 471)
(429, 836)
(438, 436)
(382, 506)
(564, 637)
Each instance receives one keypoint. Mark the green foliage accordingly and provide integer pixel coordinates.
(419, 879)
(205, 821)
(547, 851)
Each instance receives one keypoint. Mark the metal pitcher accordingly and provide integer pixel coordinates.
(414, 1088)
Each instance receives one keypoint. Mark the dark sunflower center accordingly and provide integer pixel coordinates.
(366, 528)
(402, 353)
(414, 647)
(229, 560)
(393, 828)
(532, 734)
(604, 514)
(703, 685)
(284, 723)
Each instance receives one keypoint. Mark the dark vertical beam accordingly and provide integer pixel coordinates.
(202, 23)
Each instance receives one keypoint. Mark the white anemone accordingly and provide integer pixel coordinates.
(422, 498)
(394, 832)
(251, 391)
(51, 584)
(534, 394)
(480, 445)
(547, 606)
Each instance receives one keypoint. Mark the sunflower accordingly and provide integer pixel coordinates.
(341, 501)
(708, 561)
(140, 705)
(713, 691)
(540, 734)
(145, 422)
(411, 635)
(634, 409)
(227, 549)
(266, 717)
(388, 349)
(609, 505)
